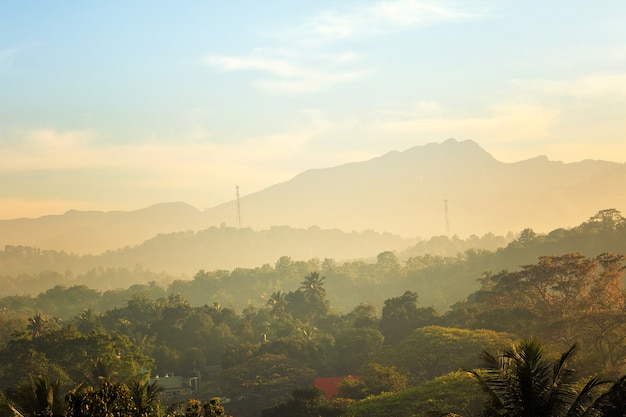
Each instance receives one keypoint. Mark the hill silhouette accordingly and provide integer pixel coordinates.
(449, 188)
(404, 193)
(442, 271)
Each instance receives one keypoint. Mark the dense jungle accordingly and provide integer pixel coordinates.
(402, 335)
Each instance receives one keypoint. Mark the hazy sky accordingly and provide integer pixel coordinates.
(123, 104)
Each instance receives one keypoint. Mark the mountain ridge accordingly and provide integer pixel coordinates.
(452, 187)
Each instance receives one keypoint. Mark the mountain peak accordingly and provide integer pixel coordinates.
(465, 151)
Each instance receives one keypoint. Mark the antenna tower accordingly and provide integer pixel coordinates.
(238, 208)
(445, 210)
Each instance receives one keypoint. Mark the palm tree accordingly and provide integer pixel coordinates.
(146, 396)
(37, 325)
(277, 302)
(521, 382)
(100, 370)
(41, 397)
(313, 287)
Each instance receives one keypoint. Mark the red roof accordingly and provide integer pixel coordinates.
(330, 384)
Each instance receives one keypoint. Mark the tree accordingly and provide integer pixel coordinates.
(100, 370)
(401, 315)
(213, 408)
(309, 302)
(433, 351)
(40, 398)
(566, 286)
(111, 400)
(354, 347)
(606, 219)
(521, 382)
(387, 264)
(309, 401)
(146, 397)
(559, 293)
(277, 303)
(453, 393)
(378, 379)
(313, 288)
(264, 380)
(37, 325)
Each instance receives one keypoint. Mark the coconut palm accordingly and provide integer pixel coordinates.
(277, 302)
(521, 382)
(146, 397)
(313, 287)
(40, 397)
(100, 370)
(37, 325)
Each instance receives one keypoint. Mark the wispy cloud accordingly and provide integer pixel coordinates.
(367, 19)
(276, 67)
(502, 123)
(291, 73)
(590, 85)
(558, 118)
(148, 171)
(308, 71)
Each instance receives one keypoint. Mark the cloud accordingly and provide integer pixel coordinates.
(295, 66)
(368, 19)
(200, 172)
(44, 149)
(558, 118)
(291, 73)
(501, 123)
(276, 67)
(588, 86)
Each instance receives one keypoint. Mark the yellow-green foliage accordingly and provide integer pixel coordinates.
(433, 351)
(455, 392)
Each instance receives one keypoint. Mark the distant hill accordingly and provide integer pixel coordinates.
(404, 193)
(92, 232)
(442, 271)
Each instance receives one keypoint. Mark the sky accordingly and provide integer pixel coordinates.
(119, 105)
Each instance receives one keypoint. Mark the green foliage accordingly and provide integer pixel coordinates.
(264, 380)
(39, 397)
(520, 381)
(146, 397)
(355, 347)
(289, 331)
(451, 393)
(305, 402)
(401, 315)
(111, 400)
(378, 379)
(433, 351)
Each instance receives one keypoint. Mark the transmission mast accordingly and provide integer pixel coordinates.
(238, 208)
(445, 211)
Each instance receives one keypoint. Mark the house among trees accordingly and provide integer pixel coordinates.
(175, 388)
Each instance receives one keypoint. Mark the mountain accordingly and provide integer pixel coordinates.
(96, 231)
(453, 187)
(447, 188)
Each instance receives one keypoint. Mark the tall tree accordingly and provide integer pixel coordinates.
(313, 287)
(521, 382)
(146, 397)
(402, 315)
(110, 400)
(37, 325)
(40, 398)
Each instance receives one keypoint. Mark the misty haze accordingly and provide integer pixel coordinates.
(361, 209)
